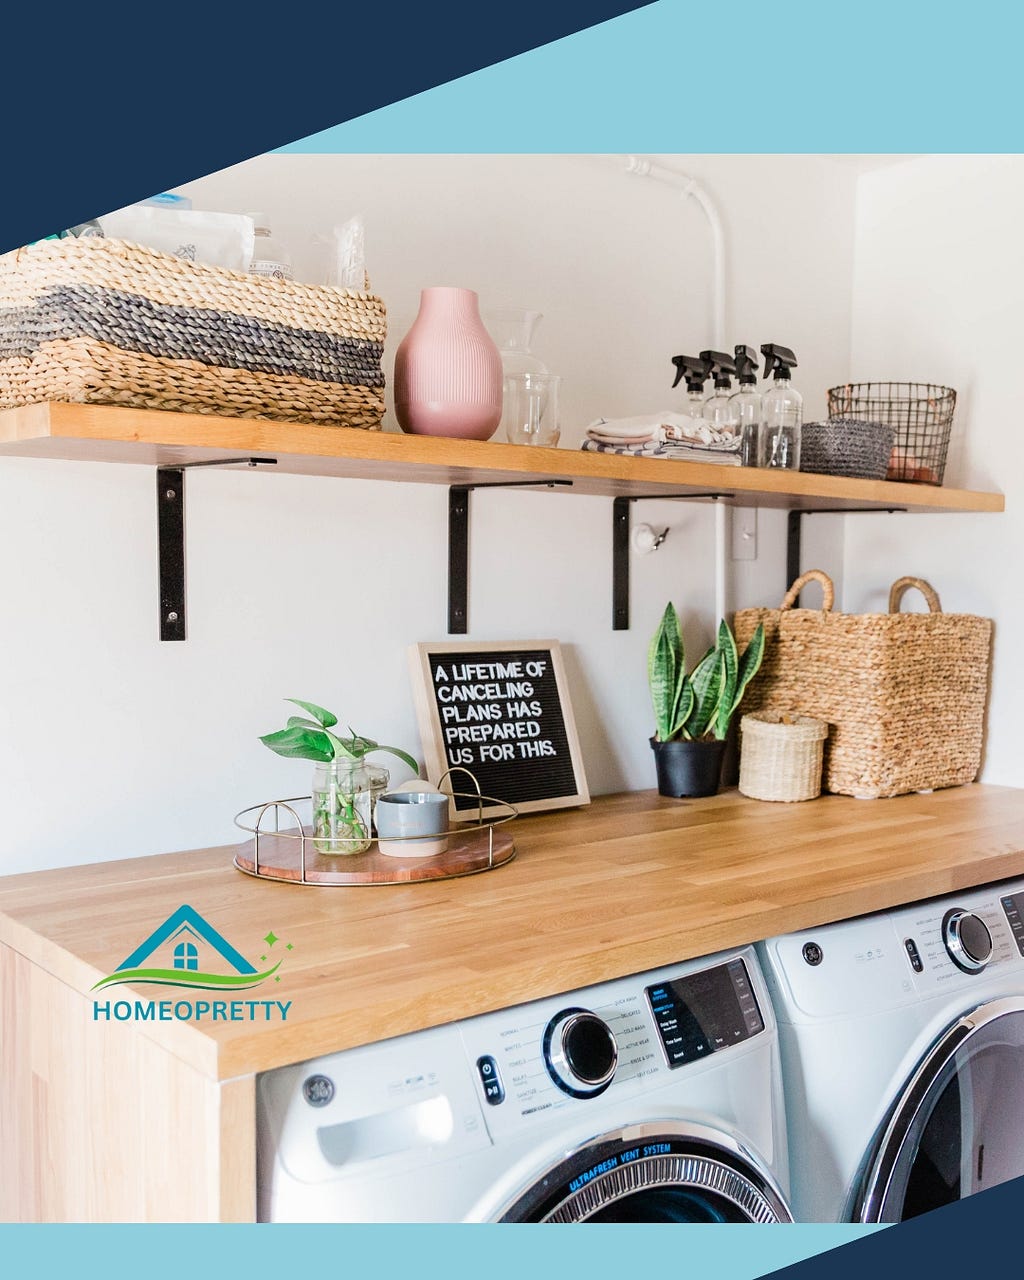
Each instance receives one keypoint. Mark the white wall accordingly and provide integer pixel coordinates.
(938, 281)
(112, 744)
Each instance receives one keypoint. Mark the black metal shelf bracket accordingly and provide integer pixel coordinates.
(620, 546)
(793, 532)
(458, 543)
(170, 518)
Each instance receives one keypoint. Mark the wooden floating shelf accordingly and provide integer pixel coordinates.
(102, 433)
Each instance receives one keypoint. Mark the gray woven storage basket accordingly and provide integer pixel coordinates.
(108, 322)
(904, 693)
(847, 447)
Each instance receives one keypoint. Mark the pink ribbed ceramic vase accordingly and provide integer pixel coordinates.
(448, 373)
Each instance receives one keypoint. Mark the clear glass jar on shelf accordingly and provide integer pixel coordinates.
(342, 807)
(513, 331)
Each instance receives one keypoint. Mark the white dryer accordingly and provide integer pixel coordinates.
(653, 1098)
(902, 1040)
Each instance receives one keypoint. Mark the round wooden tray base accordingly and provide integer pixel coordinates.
(281, 859)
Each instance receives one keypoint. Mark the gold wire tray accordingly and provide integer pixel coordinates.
(290, 855)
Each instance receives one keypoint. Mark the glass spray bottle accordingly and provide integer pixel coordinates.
(719, 410)
(779, 445)
(692, 369)
(747, 403)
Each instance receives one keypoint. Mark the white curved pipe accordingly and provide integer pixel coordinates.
(690, 188)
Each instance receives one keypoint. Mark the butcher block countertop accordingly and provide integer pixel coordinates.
(629, 883)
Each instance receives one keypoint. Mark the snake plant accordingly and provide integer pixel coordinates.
(698, 706)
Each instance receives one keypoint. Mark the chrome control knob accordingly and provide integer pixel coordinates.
(580, 1053)
(967, 940)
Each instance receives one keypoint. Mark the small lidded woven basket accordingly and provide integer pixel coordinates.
(781, 756)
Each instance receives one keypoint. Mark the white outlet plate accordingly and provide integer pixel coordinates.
(744, 533)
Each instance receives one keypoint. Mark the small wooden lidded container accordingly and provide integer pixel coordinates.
(781, 755)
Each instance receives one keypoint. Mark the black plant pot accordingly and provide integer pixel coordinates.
(688, 768)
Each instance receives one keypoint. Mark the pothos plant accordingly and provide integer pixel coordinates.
(341, 806)
(306, 738)
(698, 707)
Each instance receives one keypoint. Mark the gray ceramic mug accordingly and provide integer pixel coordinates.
(412, 824)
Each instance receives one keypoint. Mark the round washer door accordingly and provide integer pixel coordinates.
(958, 1127)
(659, 1172)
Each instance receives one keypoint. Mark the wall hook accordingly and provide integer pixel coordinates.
(645, 539)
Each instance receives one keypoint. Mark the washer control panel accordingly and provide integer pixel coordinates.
(956, 938)
(580, 1052)
(617, 1040)
(704, 1012)
(1013, 910)
(968, 940)
(893, 958)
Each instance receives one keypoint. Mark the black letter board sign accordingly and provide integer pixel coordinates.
(502, 711)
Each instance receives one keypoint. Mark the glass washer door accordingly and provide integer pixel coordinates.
(958, 1127)
(667, 1172)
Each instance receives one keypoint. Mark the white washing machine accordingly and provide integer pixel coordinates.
(653, 1098)
(902, 1039)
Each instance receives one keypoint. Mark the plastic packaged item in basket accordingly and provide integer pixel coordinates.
(270, 258)
(349, 259)
(217, 239)
(168, 200)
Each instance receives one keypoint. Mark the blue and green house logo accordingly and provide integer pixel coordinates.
(187, 951)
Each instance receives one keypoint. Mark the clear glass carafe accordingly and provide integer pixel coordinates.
(513, 330)
(342, 807)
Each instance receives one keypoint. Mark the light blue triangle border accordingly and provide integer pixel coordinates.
(680, 77)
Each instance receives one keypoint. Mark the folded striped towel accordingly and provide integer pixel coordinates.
(667, 428)
(652, 449)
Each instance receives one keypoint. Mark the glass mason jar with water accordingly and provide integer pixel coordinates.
(342, 807)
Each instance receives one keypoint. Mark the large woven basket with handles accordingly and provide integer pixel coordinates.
(95, 321)
(904, 693)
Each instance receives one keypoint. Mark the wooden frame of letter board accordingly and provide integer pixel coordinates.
(429, 718)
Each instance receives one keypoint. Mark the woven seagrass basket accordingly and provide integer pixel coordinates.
(903, 693)
(96, 321)
(781, 755)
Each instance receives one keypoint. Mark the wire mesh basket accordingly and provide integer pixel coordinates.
(921, 414)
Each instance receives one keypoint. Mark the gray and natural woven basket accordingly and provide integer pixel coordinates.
(847, 447)
(108, 322)
(904, 694)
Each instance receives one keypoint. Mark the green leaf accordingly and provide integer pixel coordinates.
(707, 691)
(683, 704)
(750, 663)
(324, 718)
(343, 748)
(302, 723)
(730, 661)
(402, 755)
(665, 663)
(367, 744)
(300, 744)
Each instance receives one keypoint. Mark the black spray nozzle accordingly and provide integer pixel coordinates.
(777, 360)
(692, 369)
(720, 365)
(746, 364)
